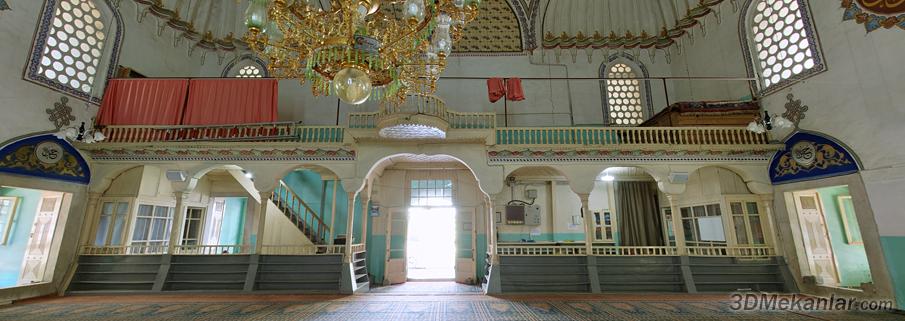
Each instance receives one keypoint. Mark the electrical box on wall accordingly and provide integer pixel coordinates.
(530, 193)
(523, 215)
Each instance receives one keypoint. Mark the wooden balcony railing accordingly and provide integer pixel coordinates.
(265, 132)
(456, 120)
(630, 136)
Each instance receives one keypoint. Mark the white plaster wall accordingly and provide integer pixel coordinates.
(22, 103)
(279, 230)
(858, 100)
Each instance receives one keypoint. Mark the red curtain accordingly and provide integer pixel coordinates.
(231, 101)
(143, 102)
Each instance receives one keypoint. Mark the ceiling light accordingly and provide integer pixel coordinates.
(607, 177)
(354, 47)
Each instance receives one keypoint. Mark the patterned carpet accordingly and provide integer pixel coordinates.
(427, 288)
(376, 307)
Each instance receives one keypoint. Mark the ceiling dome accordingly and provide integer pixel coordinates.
(622, 24)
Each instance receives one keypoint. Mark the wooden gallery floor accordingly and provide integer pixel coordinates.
(422, 302)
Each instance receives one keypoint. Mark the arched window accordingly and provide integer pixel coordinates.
(625, 96)
(780, 43)
(245, 66)
(249, 72)
(73, 38)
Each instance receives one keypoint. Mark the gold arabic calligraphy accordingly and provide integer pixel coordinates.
(883, 6)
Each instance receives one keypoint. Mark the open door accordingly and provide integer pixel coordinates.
(397, 231)
(36, 254)
(816, 238)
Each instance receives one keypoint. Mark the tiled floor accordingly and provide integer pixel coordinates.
(399, 307)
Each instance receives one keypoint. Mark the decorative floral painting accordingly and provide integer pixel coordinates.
(875, 14)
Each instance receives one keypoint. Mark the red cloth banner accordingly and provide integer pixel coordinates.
(143, 102)
(514, 89)
(231, 101)
(495, 89)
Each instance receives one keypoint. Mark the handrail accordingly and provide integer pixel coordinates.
(300, 213)
(271, 132)
(302, 249)
(635, 251)
(358, 248)
(733, 251)
(542, 250)
(629, 136)
(131, 249)
(191, 133)
(212, 249)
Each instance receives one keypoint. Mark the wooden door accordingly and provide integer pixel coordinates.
(397, 232)
(36, 254)
(815, 237)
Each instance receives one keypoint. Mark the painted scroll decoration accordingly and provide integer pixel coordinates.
(809, 156)
(45, 156)
(875, 14)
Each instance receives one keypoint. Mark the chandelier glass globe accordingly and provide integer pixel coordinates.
(352, 86)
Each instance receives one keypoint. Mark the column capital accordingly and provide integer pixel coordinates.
(765, 197)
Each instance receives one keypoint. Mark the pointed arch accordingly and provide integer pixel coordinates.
(47, 157)
(625, 66)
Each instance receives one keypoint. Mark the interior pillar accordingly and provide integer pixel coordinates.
(333, 214)
(350, 218)
(491, 237)
(677, 230)
(176, 225)
(364, 218)
(262, 221)
(588, 223)
(770, 230)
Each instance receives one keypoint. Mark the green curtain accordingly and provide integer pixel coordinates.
(638, 207)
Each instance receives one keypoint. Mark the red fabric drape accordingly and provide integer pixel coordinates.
(495, 89)
(143, 102)
(514, 89)
(231, 101)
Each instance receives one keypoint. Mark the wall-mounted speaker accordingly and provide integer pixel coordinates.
(176, 175)
(678, 177)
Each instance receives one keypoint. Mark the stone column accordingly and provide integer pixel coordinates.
(677, 224)
(350, 218)
(364, 218)
(588, 223)
(176, 224)
(332, 233)
(769, 229)
(492, 230)
(262, 222)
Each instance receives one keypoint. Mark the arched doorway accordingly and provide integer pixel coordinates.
(427, 220)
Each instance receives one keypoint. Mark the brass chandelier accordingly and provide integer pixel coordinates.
(381, 50)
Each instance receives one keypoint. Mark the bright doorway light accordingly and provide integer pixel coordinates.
(431, 243)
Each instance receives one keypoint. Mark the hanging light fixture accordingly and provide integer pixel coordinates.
(358, 49)
(607, 177)
(762, 124)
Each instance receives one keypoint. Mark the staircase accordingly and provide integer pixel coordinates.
(305, 218)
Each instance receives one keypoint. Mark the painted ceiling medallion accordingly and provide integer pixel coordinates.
(3, 5)
(875, 14)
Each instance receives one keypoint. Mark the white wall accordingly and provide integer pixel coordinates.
(22, 103)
